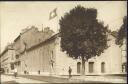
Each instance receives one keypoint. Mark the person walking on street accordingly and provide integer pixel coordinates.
(70, 71)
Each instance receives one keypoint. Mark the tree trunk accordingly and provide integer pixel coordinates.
(83, 66)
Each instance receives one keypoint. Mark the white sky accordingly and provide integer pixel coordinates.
(15, 16)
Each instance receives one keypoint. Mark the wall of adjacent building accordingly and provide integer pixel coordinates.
(124, 51)
(124, 56)
(6, 60)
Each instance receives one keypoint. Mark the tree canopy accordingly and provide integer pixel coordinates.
(82, 35)
(122, 33)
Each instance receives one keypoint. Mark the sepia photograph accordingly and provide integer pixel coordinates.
(63, 42)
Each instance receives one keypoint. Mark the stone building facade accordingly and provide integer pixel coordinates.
(39, 52)
(27, 49)
(7, 58)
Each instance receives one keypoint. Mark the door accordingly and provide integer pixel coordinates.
(102, 67)
(78, 67)
(91, 67)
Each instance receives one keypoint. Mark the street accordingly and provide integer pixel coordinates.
(62, 79)
(10, 79)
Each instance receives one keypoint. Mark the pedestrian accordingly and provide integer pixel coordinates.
(70, 71)
(15, 72)
(38, 71)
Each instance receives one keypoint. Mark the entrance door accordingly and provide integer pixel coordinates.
(78, 67)
(102, 67)
(91, 67)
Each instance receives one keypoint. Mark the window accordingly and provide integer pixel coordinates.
(17, 56)
(12, 66)
(91, 67)
(103, 67)
(12, 57)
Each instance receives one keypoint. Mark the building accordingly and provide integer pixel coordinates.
(25, 42)
(7, 59)
(124, 57)
(39, 52)
(44, 56)
(108, 62)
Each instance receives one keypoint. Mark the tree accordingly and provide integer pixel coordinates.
(82, 36)
(122, 33)
(121, 36)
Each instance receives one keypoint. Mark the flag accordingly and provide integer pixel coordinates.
(53, 14)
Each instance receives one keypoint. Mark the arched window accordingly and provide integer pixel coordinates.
(103, 67)
(78, 67)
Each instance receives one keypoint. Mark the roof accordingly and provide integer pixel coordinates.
(17, 38)
(6, 49)
(43, 42)
(28, 29)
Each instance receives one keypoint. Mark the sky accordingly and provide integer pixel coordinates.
(15, 16)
